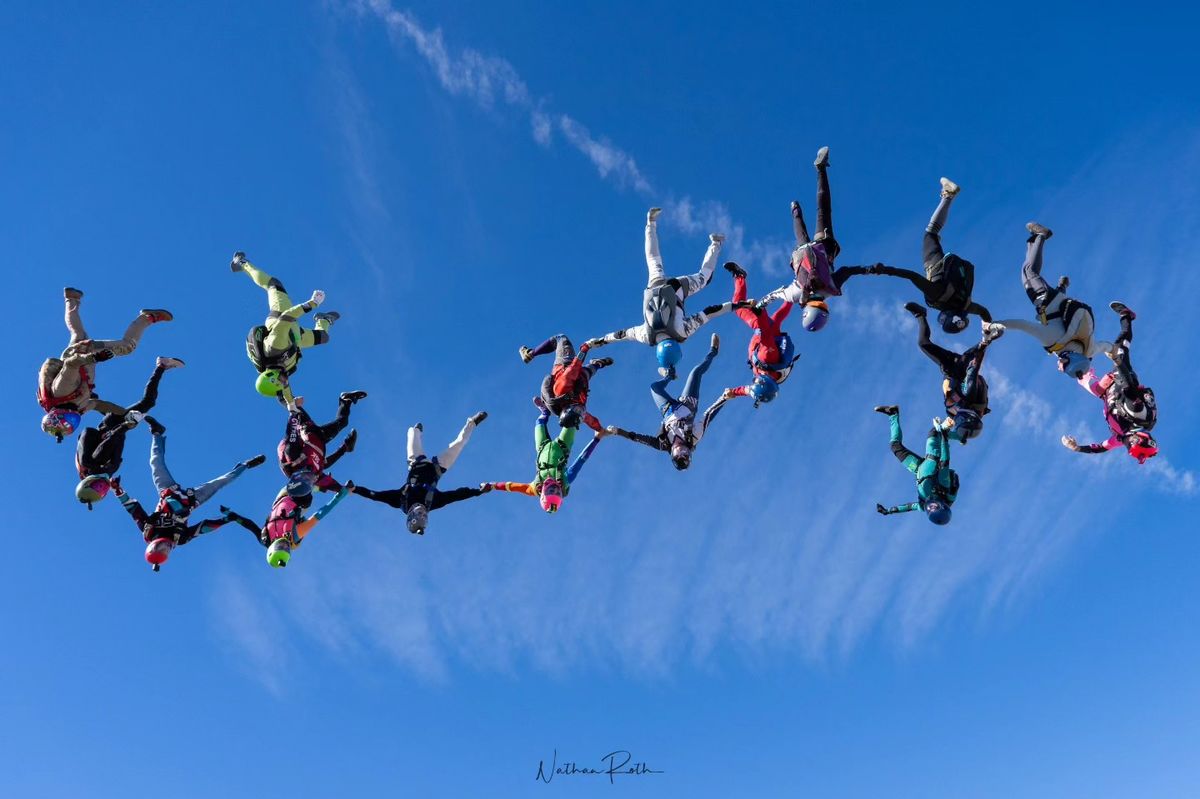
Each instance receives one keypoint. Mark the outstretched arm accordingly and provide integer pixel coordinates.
(247, 524)
(638, 333)
(1091, 449)
(650, 441)
(394, 497)
(582, 458)
(306, 526)
(131, 505)
(920, 281)
(980, 311)
(911, 506)
(443, 498)
(844, 273)
(516, 488)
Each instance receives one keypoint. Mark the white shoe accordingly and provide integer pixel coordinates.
(168, 363)
(949, 188)
(716, 238)
(652, 215)
(715, 343)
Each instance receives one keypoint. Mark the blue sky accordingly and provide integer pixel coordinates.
(464, 178)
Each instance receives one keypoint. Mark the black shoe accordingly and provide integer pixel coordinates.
(155, 428)
(352, 396)
(735, 270)
(351, 440)
(238, 262)
(887, 410)
(478, 418)
(915, 308)
(419, 426)
(600, 363)
(257, 460)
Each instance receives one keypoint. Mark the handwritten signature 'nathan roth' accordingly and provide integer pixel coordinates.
(614, 764)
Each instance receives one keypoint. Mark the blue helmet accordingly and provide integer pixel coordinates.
(937, 511)
(967, 424)
(1074, 364)
(816, 314)
(301, 483)
(763, 389)
(669, 353)
(952, 322)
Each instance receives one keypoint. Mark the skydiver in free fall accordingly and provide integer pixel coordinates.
(554, 477)
(565, 389)
(66, 385)
(771, 352)
(937, 483)
(302, 452)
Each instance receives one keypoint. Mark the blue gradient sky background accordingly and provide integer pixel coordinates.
(751, 627)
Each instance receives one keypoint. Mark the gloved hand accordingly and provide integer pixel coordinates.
(613, 430)
(318, 297)
(116, 486)
(1070, 443)
(103, 355)
(485, 487)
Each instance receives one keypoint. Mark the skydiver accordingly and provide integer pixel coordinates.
(565, 389)
(949, 279)
(167, 527)
(964, 389)
(99, 450)
(665, 323)
(66, 384)
(1066, 327)
(680, 431)
(937, 483)
(301, 453)
(554, 478)
(275, 348)
(419, 495)
(287, 525)
(812, 259)
(1129, 407)
(771, 351)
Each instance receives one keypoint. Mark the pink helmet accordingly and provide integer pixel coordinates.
(551, 495)
(158, 550)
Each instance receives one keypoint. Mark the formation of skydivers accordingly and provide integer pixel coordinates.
(1062, 325)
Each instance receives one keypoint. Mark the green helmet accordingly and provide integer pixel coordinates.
(279, 553)
(270, 383)
(93, 488)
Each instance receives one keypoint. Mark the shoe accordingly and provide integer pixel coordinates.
(350, 440)
(734, 269)
(257, 460)
(716, 238)
(168, 363)
(822, 158)
(156, 315)
(419, 426)
(72, 293)
(887, 410)
(478, 418)
(352, 396)
(1064, 283)
(949, 188)
(238, 262)
(155, 428)
(1039, 230)
(915, 308)
(327, 316)
(991, 332)
(600, 363)
(540, 404)
(652, 215)
(527, 354)
(715, 343)
(1122, 309)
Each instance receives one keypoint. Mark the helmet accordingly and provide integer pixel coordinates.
(1074, 364)
(763, 389)
(816, 314)
(681, 455)
(92, 488)
(570, 417)
(279, 553)
(270, 382)
(937, 511)
(952, 322)
(551, 495)
(1141, 445)
(60, 423)
(967, 423)
(418, 517)
(158, 550)
(301, 484)
(669, 353)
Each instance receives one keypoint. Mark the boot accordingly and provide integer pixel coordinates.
(155, 428)
(734, 269)
(257, 460)
(822, 158)
(887, 410)
(238, 262)
(949, 188)
(168, 363)
(156, 315)
(352, 396)
(1038, 230)
(915, 308)
(1122, 309)
(479, 417)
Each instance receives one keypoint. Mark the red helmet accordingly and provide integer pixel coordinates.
(158, 550)
(1141, 446)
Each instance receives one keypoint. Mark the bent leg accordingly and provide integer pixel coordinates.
(931, 249)
(328, 431)
(447, 458)
(903, 454)
(564, 350)
(204, 492)
(546, 346)
(662, 400)
(1047, 335)
(946, 360)
(313, 338)
(150, 395)
(693, 283)
(158, 463)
